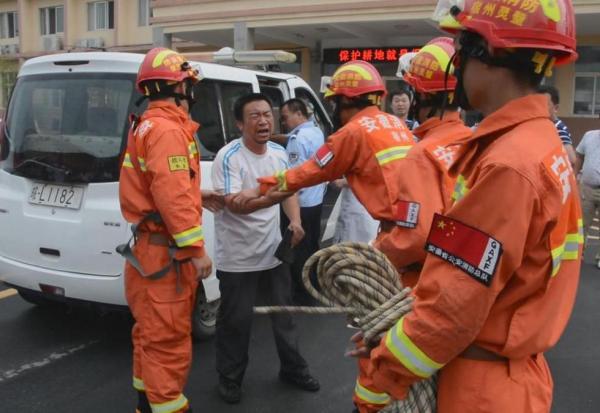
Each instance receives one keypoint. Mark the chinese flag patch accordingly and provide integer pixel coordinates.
(407, 213)
(465, 247)
(323, 156)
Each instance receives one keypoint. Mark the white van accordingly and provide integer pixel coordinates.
(60, 145)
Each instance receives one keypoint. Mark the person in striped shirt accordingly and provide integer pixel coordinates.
(563, 132)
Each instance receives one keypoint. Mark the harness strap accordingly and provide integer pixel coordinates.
(127, 253)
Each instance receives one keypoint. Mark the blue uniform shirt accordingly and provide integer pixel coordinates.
(302, 143)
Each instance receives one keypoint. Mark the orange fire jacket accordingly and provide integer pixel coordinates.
(424, 182)
(503, 262)
(161, 173)
(366, 151)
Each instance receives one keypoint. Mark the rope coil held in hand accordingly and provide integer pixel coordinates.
(358, 280)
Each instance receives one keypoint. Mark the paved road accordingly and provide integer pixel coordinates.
(56, 361)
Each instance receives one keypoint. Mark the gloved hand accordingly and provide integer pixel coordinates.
(266, 183)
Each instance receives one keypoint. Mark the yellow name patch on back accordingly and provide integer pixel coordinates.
(178, 163)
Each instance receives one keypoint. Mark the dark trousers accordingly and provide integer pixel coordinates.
(311, 223)
(234, 321)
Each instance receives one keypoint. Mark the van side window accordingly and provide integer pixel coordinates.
(315, 108)
(214, 111)
(272, 88)
(230, 92)
(206, 113)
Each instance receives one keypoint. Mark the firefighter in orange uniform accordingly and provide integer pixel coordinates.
(424, 185)
(366, 149)
(160, 194)
(499, 282)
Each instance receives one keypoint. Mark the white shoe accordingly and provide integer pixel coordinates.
(598, 264)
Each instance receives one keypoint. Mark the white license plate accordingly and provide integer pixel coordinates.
(61, 196)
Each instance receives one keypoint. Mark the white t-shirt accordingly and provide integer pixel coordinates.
(246, 243)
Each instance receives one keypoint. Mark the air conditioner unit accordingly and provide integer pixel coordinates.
(96, 42)
(4, 50)
(52, 43)
(81, 44)
(13, 49)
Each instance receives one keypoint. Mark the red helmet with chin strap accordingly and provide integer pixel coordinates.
(354, 79)
(162, 64)
(543, 25)
(427, 71)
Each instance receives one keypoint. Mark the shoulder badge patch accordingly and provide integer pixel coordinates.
(465, 247)
(406, 213)
(178, 163)
(323, 156)
(143, 128)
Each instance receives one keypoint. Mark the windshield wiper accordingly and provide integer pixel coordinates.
(64, 171)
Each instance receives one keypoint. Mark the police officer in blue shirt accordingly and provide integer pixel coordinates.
(303, 139)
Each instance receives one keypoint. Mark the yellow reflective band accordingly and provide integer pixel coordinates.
(460, 189)
(449, 22)
(138, 384)
(371, 397)
(568, 250)
(192, 149)
(440, 55)
(170, 407)
(188, 237)
(551, 9)
(392, 154)
(127, 161)
(408, 354)
(354, 68)
(281, 181)
(142, 163)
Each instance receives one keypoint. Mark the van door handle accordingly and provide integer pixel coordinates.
(50, 251)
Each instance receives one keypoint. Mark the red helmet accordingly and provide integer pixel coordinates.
(355, 78)
(533, 24)
(164, 64)
(427, 71)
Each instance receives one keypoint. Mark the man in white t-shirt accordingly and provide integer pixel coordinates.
(247, 236)
(588, 163)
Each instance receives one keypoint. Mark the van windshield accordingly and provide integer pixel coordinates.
(68, 127)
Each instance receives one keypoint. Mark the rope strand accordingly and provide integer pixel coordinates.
(358, 280)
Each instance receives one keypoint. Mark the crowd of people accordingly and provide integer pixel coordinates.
(484, 223)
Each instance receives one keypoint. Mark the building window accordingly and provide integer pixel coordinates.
(587, 94)
(586, 101)
(144, 12)
(7, 82)
(9, 25)
(101, 15)
(52, 20)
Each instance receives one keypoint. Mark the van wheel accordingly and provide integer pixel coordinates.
(34, 298)
(204, 318)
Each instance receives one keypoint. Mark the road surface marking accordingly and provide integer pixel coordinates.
(12, 373)
(7, 293)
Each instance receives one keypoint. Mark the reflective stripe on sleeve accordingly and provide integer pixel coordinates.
(569, 249)
(460, 189)
(192, 149)
(392, 154)
(370, 396)
(189, 237)
(127, 161)
(281, 181)
(408, 354)
(170, 407)
(138, 384)
(142, 163)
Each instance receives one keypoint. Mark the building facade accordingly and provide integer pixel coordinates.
(325, 33)
(30, 28)
(322, 34)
